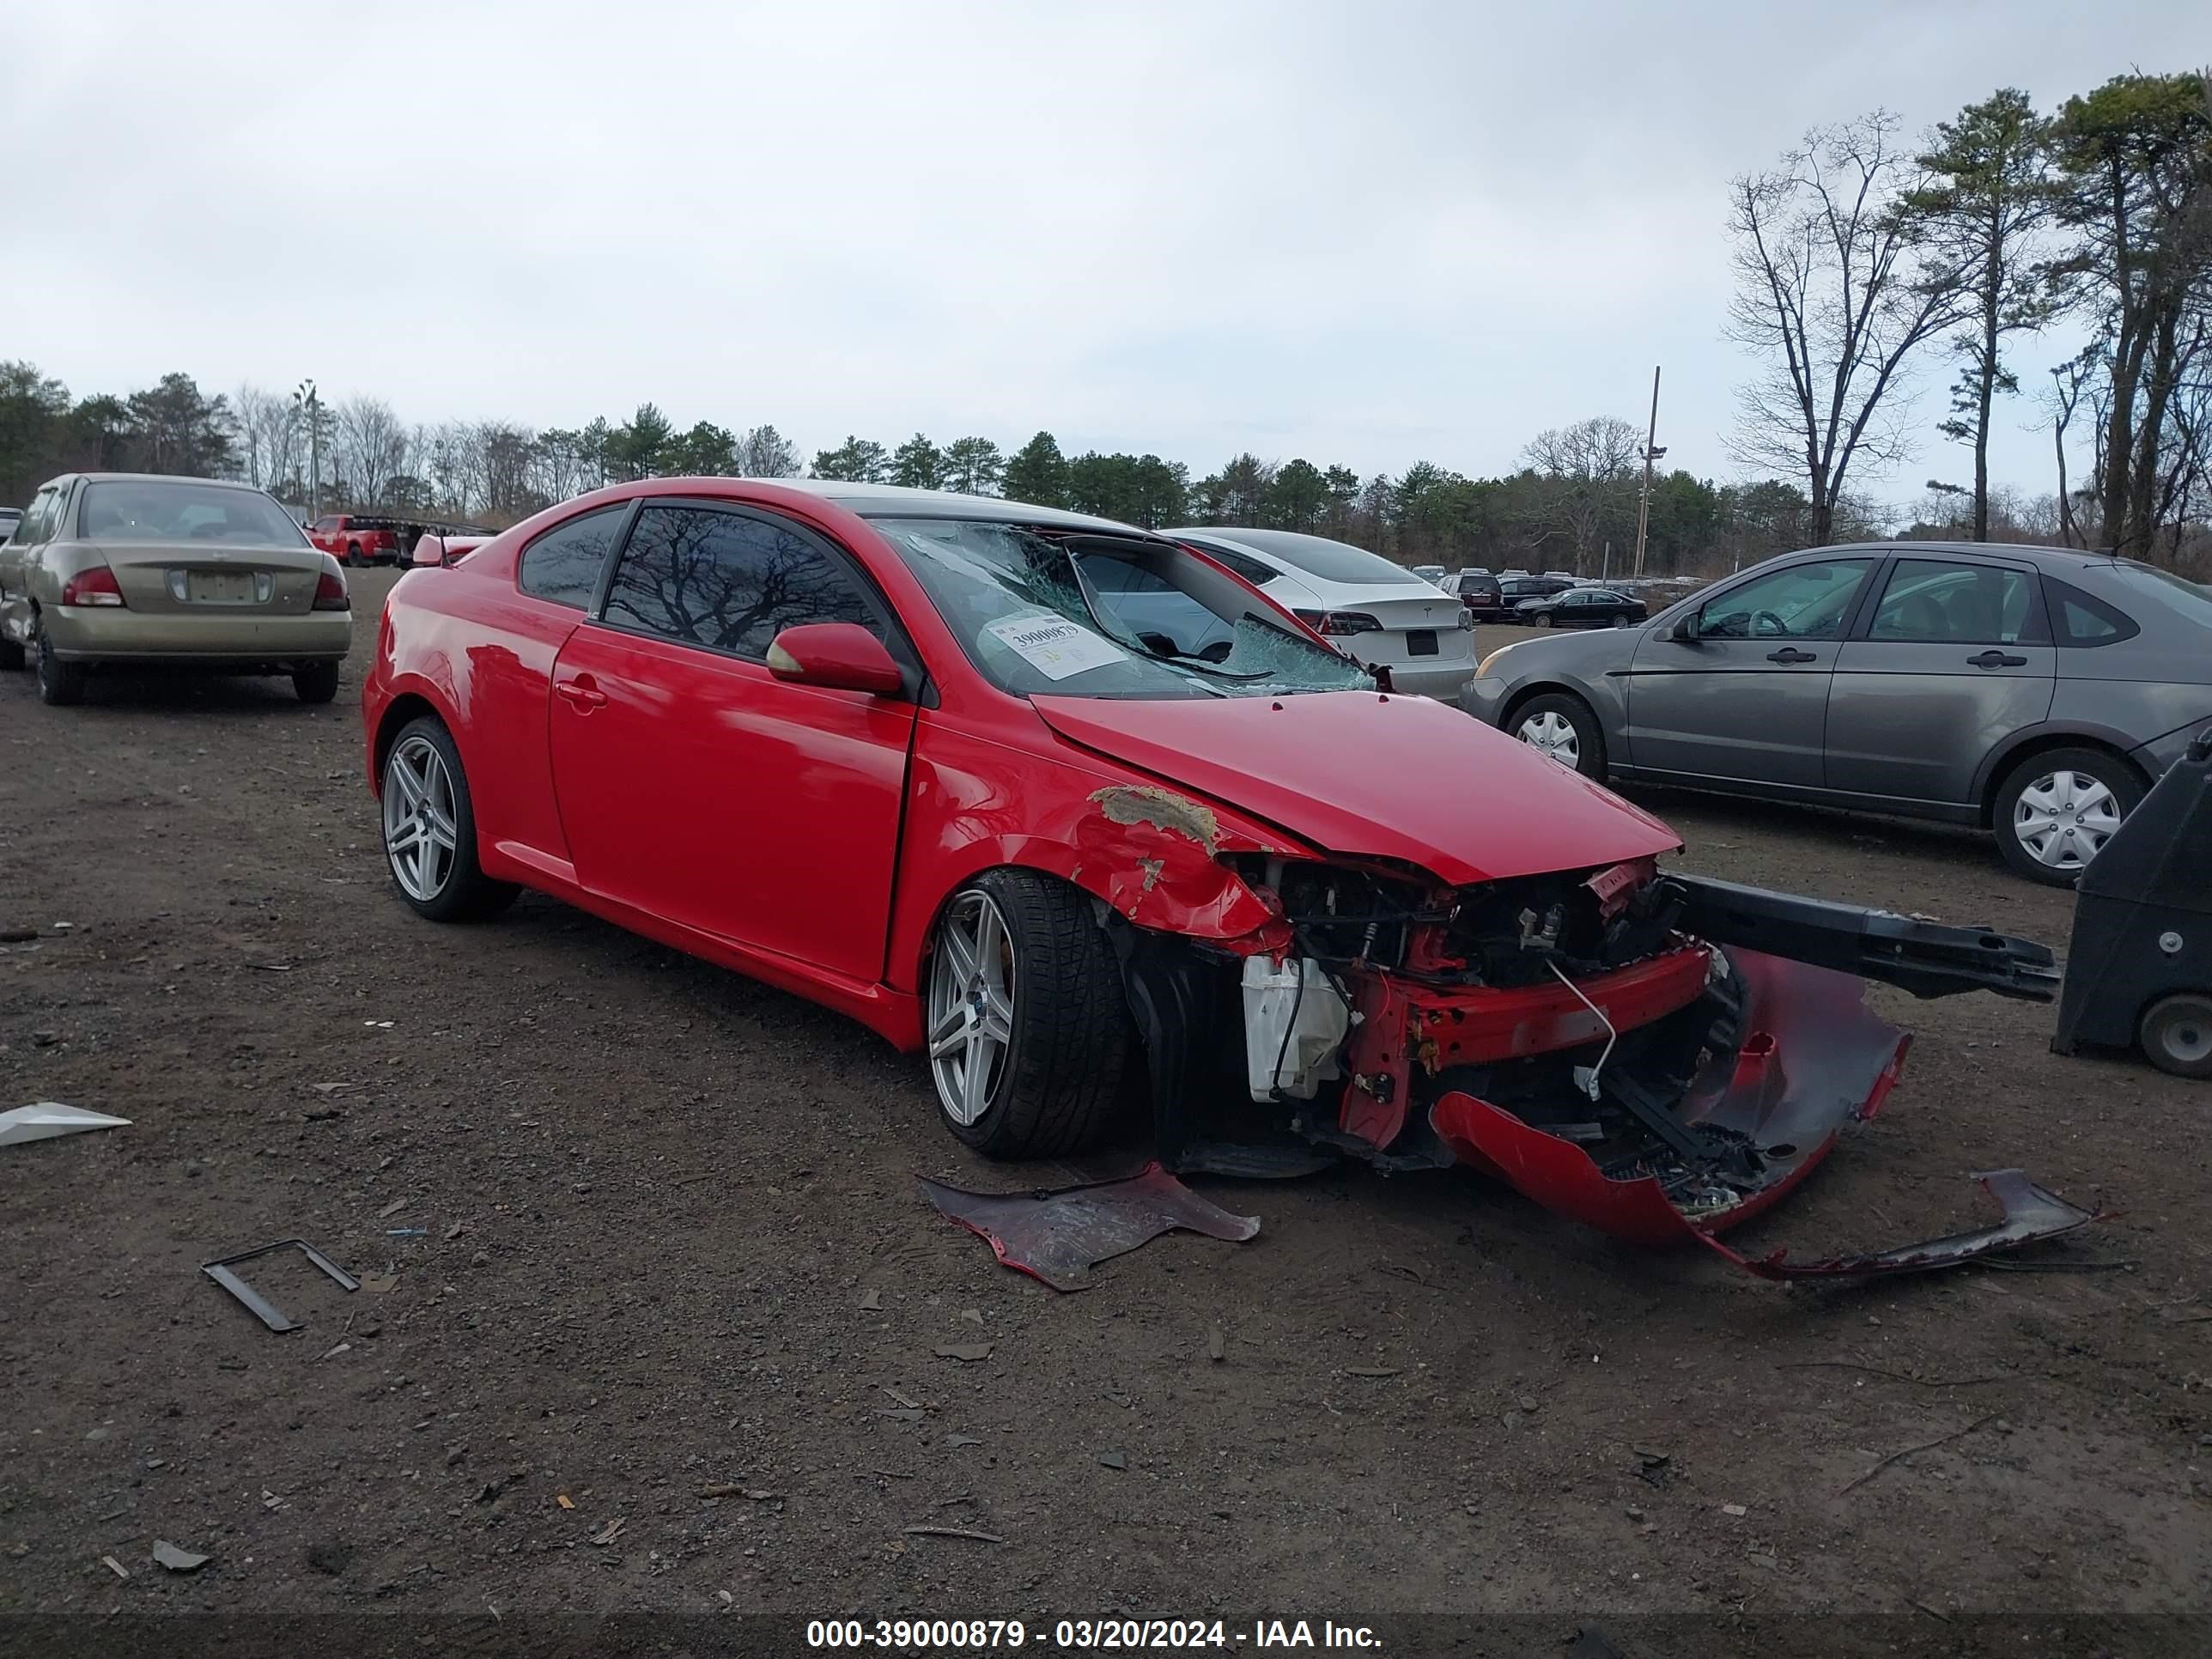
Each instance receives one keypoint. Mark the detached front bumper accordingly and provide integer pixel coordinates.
(1754, 1124)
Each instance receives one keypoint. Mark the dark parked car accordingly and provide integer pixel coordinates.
(1581, 607)
(2032, 691)
(1511, 590)
(1477, 590)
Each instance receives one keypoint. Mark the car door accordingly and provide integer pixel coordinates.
(1744, 697)
(1954, 658)
(698, 787)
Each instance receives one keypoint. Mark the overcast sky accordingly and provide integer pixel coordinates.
(1366, 234)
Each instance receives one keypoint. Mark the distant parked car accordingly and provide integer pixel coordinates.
(1429, 573)
(9, 518)
(1511, 590)
(1581, 607)
(2035, 692)
(1477, 590)
(355, 539)
(1379, 612)
(120, 568)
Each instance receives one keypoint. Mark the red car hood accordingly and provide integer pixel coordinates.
(1387, 777)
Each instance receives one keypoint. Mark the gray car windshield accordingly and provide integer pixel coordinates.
(159, 510)
(1087, 615)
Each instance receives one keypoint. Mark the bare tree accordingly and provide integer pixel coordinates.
(372, 449)
(1591, 466)
(1832, 293)
(764, 452)
(271, 437)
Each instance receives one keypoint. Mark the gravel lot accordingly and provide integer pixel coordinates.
(658, 1199)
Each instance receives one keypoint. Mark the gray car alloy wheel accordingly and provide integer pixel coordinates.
(421, 831)
(2063, 818)
(971, 1005)
(1552, 732)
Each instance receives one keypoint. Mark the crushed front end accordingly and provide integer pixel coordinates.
(1657, 1056)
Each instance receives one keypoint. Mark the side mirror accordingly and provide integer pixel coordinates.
(1686, 628)
(842, 656)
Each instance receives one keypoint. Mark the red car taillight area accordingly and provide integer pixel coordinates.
(94, 586)
(330, 588)
(1340, 622)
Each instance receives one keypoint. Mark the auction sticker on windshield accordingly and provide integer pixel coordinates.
(1054, 645)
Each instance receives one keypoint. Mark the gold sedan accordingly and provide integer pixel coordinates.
(128, 569)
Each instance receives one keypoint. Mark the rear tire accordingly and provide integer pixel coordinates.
(1547, 620)
(2176, 1035)
(353, 554)
(1565, 727)
(430, 828)
(1027, 1026)
(2086, 792)
(316, 683)
(60, 683)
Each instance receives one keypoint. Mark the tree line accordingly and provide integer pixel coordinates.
(1571, 504)
(1856, 255)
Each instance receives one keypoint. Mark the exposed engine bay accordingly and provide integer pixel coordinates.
(1658, 1056)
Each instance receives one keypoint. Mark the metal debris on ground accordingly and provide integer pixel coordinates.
(1217, 1345)
(114, 1566)
(966, 1352)
(872, 1302)
(1059, 1235)
(219, 1271)
(391, 1209)
(954, 1531)
(1114, 1460)
(608, 1534)
(45, 1119)
(1372, 1371)
(178, 1560)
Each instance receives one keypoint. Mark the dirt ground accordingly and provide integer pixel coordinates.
(662, 1205)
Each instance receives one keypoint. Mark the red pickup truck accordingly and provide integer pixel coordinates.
(356, 539)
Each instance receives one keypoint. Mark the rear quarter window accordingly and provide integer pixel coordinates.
(2082, 620)
(564, 564)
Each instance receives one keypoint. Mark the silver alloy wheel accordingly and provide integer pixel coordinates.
(1554, 734)
(421, 832)
(2063, 819)
(971, 1005)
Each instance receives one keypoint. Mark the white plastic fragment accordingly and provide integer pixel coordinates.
(45, 1119)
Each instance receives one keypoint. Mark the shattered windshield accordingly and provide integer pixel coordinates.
(1107, 616)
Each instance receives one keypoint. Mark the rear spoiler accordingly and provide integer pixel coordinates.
(444, 549)
(1925, 957)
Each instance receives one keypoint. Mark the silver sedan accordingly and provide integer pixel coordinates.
(2035, 692)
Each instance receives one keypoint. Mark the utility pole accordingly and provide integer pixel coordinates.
(311, 406)
(1650, 454)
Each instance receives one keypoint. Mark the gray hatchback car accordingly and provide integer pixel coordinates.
(2033, 691)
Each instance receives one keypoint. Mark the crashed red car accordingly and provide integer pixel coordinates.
(1055, 801)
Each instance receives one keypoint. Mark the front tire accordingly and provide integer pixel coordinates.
(1027, 1028)
(430, 828)
(2176, 1035)
(2056, 810)
(60, 683)
(1565, 727)
(316, 683)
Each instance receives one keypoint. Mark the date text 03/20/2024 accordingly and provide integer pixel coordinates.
(920, 1634)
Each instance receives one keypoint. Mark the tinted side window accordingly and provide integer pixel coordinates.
(1952, 603)
(1803, 602)
(728, 581)
(2080, 619)
(564, 565)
